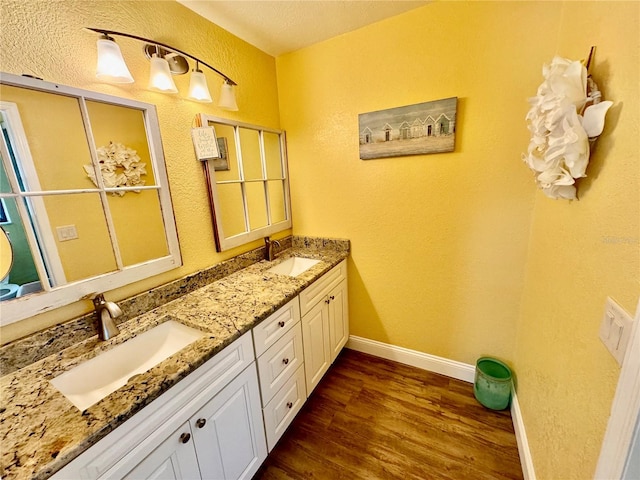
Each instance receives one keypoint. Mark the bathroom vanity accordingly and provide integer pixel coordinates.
(212, 410)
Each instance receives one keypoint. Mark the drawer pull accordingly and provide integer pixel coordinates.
(285, 361)
(185, 437)
(289, 405)
(281, 323)
(201, 422)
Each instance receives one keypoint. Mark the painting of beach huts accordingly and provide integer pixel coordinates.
(428, 127)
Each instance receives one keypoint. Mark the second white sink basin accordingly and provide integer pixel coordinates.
(293, 266)
(94, 379)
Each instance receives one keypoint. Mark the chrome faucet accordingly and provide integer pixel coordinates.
(106, 312)
(269, 254)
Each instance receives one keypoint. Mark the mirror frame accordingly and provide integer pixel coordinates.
(50, 298)
(223, 242)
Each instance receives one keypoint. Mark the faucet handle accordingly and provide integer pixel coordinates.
(113, 308)
(98, 299)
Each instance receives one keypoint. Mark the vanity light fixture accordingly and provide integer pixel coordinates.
(165, 61)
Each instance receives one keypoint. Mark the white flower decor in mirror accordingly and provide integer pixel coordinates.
(120, 166)
(565, 116)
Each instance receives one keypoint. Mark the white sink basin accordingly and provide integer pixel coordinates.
(293, 266)
(94, 379)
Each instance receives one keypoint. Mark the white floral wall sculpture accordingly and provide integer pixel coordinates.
(120, 166)
(566, 114)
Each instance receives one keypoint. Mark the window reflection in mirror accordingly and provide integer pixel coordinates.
(248, 185)
(84, 181)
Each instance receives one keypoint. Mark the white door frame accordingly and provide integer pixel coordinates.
(625, 411)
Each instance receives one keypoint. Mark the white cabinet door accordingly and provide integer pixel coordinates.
(228, 432)
(338, 319)
(175, 458)
(315, 340)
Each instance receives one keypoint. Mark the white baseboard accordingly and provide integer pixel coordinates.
(443, 366)
(526, 460)
(450, 368)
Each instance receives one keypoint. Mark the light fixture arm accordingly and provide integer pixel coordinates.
(163, 45)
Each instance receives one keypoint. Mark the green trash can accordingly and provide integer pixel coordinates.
(492, 386)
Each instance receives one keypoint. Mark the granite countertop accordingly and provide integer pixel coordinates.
(41, 431)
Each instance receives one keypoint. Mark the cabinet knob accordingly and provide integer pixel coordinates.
(185, 437)
(201, 422)
(285, 361)
(289, 404)
(332, 297)
(327, 301)
(281, 323)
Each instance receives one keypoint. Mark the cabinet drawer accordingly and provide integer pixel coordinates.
(317, 290)
(275, 326)
(285, 405)
(279, 362)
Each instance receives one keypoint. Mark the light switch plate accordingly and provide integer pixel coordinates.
(615, 329)
(67, 232)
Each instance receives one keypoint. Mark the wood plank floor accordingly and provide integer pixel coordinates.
(371, 418)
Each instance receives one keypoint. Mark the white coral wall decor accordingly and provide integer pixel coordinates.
(120, 166)
(565, 115)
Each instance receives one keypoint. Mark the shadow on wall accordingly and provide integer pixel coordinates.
(367, 321)
(600, 150)
(602, 147)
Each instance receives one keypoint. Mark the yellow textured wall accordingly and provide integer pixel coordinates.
(438, 241)
(580, 253)
(47, 39)
(456, 254)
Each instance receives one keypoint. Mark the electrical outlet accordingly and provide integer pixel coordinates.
(615, 329)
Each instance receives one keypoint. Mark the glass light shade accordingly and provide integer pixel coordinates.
(111, 66)
(227, 97)
(198, 89)
(160, 76)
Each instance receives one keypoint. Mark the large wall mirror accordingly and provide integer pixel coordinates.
(84, 196)
(248, 184)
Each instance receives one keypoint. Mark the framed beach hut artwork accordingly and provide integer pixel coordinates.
(428, 127)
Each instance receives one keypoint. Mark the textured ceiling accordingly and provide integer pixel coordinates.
(277, 26)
